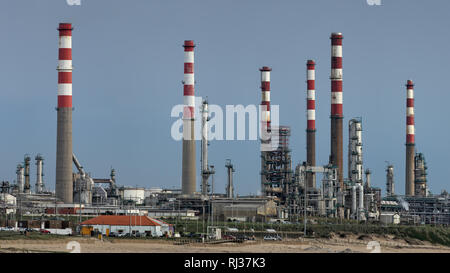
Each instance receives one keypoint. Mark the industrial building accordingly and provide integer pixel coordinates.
(122, 224)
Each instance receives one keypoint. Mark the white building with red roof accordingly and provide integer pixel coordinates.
(127, 224)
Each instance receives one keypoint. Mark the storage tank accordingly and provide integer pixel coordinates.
(136, 195)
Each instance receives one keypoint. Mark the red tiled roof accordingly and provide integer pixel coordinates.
(121, 220)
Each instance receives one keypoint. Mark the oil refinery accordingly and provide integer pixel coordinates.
(289, 190)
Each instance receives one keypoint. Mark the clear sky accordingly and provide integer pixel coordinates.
(128, 68)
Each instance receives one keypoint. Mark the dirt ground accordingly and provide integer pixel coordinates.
(336, 244)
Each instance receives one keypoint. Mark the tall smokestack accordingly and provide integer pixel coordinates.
(336, 157)
(311, 120)
(64, 183)
(410, 144)
(265, 118)
(188, 170)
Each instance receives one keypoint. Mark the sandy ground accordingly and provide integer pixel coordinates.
(349, 244)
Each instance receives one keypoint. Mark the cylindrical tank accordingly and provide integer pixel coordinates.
(136, 195)
(20, 178)
(39, 173)
(390, 188)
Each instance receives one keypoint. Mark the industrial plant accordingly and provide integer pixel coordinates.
(289, 191)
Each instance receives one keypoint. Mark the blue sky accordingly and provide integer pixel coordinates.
(128, 68)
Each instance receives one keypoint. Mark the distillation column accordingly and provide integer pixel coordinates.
(20, 177)
(206, 172)
(390, 186)
(39, 173)
(27, 186)
(230, 171)
(355, 156)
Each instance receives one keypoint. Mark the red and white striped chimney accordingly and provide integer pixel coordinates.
(65, 66)
(188, 88)
(336, 75)
(410, 142)
(64, 183)
(336, 157)
(311, 95)
(188, 183)
(311, 121)
(265, 121)
(265, 102)
(409, 112)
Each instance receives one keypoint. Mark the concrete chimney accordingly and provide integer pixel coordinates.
(64, 183)
(188, 183)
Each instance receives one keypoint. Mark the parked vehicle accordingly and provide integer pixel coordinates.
(243, 237)
(44, 231)
(272, 238)
(229, 237)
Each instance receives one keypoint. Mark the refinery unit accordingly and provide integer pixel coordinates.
(289, 190)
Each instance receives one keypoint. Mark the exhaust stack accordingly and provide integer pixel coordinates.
(188, 180)
(410, 143)
(311, 120)
(336, 156)
(265, 123)
(64, 183)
